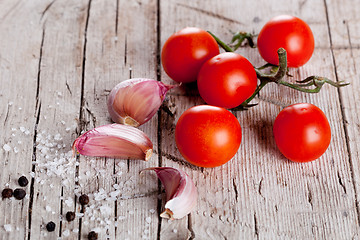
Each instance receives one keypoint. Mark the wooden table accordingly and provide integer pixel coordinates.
(58, 61)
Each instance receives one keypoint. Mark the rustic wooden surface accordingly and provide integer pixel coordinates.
(60, 58)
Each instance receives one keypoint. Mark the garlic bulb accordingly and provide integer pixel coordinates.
(135, 101)
(114, 140)
(181, 192)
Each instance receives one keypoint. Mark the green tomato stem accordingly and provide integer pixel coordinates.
(221, 43)
(278, 75)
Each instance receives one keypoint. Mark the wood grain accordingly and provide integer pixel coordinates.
(60, 59)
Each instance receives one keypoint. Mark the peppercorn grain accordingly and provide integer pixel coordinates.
(23, 181)
(92, 235)
(84, 199)
(19, 193)
(7, 193)
(70, 216)
(50, 226)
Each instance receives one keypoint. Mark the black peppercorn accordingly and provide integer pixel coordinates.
(70, 216)
(84, 199)
(7, 193)
(50, 226)
(92, 235)
(23, 181)
(19, 193)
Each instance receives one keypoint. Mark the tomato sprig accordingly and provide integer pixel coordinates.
(312, 84)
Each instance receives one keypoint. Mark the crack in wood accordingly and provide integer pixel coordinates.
(211, 14)
(32, 182)
(39, 69)
(68, 88)
(341, 182)
(46, 9)
(81, 123)
(125, 51)
(92, 116)
(310, 197)
(7, 114)
(344, 119)
(117, 17)
(190, 228)
(260, 187)
(235, 190)
(61, 210)
(180, 161)
(256, 229)
(159, 114)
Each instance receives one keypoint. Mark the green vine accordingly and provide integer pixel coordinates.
(312, 84)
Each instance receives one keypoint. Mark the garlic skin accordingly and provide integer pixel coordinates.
(115, 141)
(135, 101)
(181, 192)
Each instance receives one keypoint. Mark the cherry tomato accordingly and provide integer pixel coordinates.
(290, 33)
(302, 132)
(185, 51)
(207, 136)
(226, 80)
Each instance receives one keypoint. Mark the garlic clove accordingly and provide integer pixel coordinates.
(181, 192)
(135, 101)
(114, 140)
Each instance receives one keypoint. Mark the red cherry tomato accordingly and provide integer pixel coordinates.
(290, 33)
(207, 136)
(302, 132)
(185, 51)
(226, 80)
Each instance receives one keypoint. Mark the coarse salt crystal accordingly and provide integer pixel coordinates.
(32, 174)
(8, 227)
(121, 217)
(175, 230)
(22, 129)
(66, 233)
(148, 219)
(16, 150)
(69, 202)
(152, 210)
(80, 215)
(105, 210)
(6, 147)
(48, 208)
(10, 103)
(75, 230)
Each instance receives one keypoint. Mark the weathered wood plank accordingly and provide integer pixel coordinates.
(60, 59)
(117, 49)
(259, 194)
(21, 32)
(59, 100)
(344, 23)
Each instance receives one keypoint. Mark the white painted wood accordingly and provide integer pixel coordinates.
(275, 198)
(81, 49)
(117, 50)
(59, 90)
(21, 31)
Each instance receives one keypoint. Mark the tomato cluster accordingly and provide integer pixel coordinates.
(210, 135)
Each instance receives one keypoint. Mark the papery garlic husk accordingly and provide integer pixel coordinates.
(181, 192)
(135, 101)
(115, 141)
